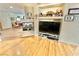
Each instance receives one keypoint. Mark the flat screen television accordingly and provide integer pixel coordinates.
(49, 27)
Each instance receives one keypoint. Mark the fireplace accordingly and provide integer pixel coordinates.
(49, 29)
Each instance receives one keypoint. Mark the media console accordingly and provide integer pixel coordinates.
(49, 36)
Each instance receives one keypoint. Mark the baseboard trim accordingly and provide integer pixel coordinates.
(6, 29)
(72, 43)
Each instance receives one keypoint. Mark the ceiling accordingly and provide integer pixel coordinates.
(16, 7)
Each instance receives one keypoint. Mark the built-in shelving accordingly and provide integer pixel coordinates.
(50, 5)
(43, 9)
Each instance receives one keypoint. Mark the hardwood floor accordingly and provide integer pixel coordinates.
(35, 46)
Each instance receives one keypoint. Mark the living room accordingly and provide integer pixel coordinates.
(33, 29)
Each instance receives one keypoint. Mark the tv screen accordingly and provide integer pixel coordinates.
(49, 27)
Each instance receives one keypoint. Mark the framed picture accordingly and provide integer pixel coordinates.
(73, 11)
(69, 18)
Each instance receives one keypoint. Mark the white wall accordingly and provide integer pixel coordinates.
(6, 14)
(36, 21)
(70, 30)
(5, 19)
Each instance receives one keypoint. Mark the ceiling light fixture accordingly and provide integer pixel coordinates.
(11, 6)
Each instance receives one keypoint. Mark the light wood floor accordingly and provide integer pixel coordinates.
(35, 46)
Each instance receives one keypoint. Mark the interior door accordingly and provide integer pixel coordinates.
(0, 26)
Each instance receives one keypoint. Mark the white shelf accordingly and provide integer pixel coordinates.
(50, 5)
(50, 18)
